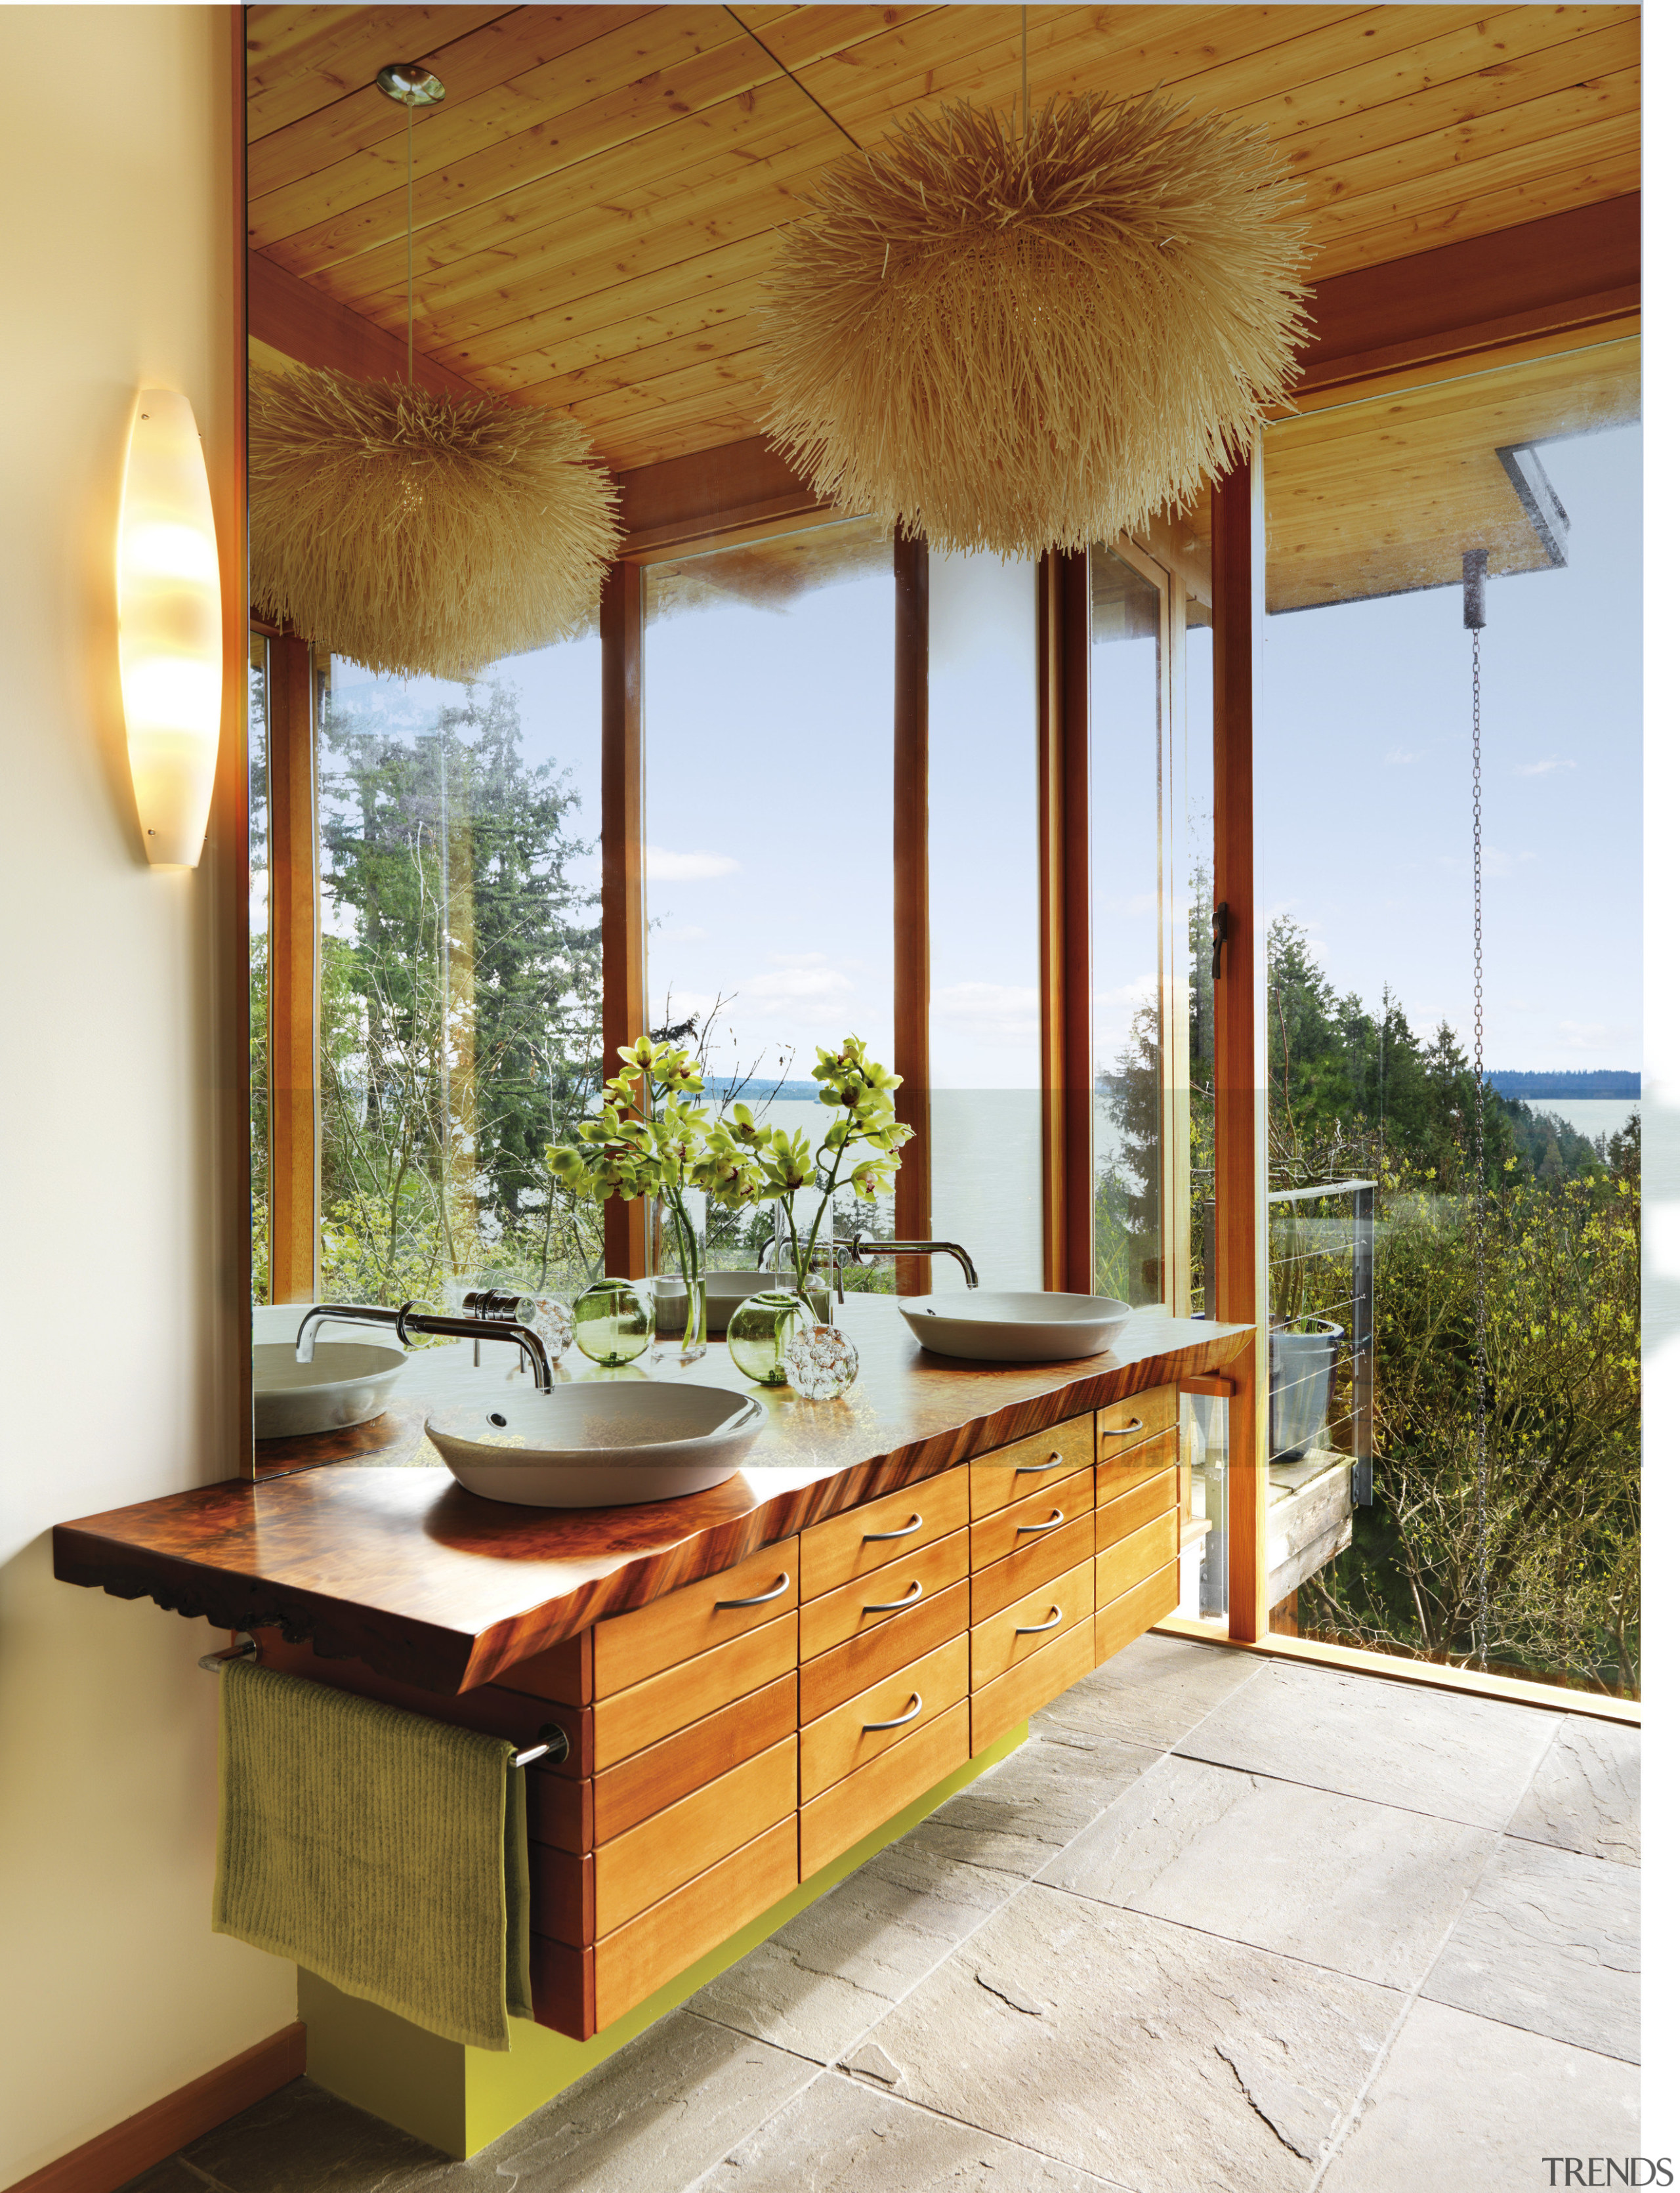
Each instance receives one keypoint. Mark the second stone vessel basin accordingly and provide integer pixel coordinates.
(595, 1444)
(1015, 1328)
(349, 1382)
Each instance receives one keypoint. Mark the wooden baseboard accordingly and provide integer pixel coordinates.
(111, 2158)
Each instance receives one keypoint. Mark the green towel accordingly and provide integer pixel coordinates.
(381, 1850)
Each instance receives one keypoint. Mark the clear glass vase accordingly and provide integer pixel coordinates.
(821, 1362)
(761, 1330)
(612, 1322)
(799, 1248)
(679, 1283)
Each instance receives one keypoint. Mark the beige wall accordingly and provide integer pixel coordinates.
(114, 1321)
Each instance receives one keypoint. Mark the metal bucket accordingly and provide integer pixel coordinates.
(1303, 1362)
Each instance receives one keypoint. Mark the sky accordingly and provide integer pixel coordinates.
(769, 802)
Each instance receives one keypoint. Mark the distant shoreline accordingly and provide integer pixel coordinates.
(1571, 1084)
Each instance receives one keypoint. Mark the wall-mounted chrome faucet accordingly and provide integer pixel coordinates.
(860, 1248)
(412, 1319)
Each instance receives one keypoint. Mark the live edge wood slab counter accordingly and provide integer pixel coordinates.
(753, 1679)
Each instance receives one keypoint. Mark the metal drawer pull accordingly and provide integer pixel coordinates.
(892, 1605)
(1027, 1468)
(875, 1537)
(871, 1726)
(1032, 1629)
(727, 1606)
(1056, 1516)
(1120, 1431)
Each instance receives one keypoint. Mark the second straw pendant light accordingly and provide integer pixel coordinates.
(417, 534)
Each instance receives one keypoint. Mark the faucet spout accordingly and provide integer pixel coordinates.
(412, 1319)
(863, 1247)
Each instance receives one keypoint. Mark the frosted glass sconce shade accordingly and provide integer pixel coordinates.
(168, 627)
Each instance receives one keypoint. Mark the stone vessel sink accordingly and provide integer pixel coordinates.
(349, 1382)
(988, 1327)
(596, 1443)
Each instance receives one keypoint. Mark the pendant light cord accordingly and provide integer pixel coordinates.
(1023, 71)
(411, 245)
(792, 79)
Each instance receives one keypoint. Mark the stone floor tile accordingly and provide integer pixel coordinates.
(1030, 1805)
(1430, 1751)
(1135, 2049)
(652, 2118)
(842, 2136)
(1585, 1795)
(1153, 1693)
(303, 2140)
(1363, 1889)
(1550, 1941)
(1462, 2102)
(831, 1973)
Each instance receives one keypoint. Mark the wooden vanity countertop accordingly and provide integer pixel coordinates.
(432, 1586)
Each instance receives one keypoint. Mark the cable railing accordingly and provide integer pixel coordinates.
(1324, 1268)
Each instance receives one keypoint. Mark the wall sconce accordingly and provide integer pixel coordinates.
(168, 627)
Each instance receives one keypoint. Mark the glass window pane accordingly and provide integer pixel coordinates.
(983, 923)
(768, 710)
(460, 999)
(1530, 1559)
(256, 751)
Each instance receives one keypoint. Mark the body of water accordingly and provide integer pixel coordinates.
(1590, 1116)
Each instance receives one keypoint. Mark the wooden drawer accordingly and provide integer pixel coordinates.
(1124, 1620)
(562, 1896)
(638, 1788)
(1009, 1473)
(1126, 1425)
(1138, 1556)
(861, 1609)
(1145, 1458)
(1037, 1562)
(1017, 1632)
(862, 1730)
(563, 1988)
(647, 1865)
(845, 1814)
(864, 1539)
(1003, 1704)
(1015, 1527)
(833, 1677)
(1115, 1519)
(630, 1964)
(630, 1720)
(631, 1647)
(559, 1812)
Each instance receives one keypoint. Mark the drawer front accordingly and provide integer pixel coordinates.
(1139, 1417)
(651, 1861)
(834, 1677)
(631, 1647)
(563, 1988)
(1115, 1519)
(630, 1720)
(1137, 1557)
(1031, 1625)
(1035, 1563)
(1016, 1527)
(1002, 1705)
(865, 1726)
(559, 1812)
(1144, 1459)
(862, 1609)
(1009, 1473)
(1124, 1620)
(564, 1673)
(845, 1814)
(638, 1788)
(562, 1896)
(866, 1538)
(630, 1964)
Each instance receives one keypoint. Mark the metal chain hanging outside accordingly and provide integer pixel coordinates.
(1476, 616)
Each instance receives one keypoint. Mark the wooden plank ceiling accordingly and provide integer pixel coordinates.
(596, 201)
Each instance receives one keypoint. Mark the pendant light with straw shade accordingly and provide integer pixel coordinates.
(1018, 335)
(415, 533)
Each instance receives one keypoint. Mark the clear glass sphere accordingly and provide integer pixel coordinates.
(821, 1362)
(613, 1322)
(759, 1332)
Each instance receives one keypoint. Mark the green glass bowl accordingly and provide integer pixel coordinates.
(759, 1332)
(613, 1323)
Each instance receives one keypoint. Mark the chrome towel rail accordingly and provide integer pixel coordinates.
(554, 1743)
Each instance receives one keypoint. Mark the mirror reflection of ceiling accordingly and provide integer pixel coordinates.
(1383, 496)
(596, 201)
(771, 573)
